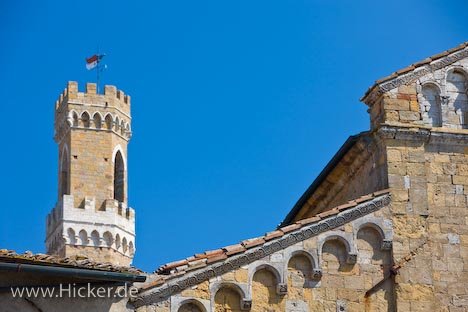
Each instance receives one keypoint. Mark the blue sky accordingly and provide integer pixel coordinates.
(237, 105)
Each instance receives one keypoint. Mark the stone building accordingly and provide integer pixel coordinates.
(384, 227)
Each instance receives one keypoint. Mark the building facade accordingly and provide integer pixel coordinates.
(384, 227)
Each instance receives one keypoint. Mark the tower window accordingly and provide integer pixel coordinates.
(64, 174)
(431, 109)
(119, 177)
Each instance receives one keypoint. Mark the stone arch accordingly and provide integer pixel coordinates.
(83, 237)
(64, 187)
(124, 245)
(119, 177)
(300, 268)
(263, 265)
(97, 120)
(108, 239)
(71, 236)
(109, 121)
(228, 297)
(85, 122)
(336, 252)
(265, 291)
(95, 238)
(375, 264)
(191, 305)
(430, 103)
(73, 118)
(456, 88)
(117, 242)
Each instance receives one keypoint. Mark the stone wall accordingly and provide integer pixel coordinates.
(329, 272)
(361, 171)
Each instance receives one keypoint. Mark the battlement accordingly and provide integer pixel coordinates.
(112, 229)
(111, 96)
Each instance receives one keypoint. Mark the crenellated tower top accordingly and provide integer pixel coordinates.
(92, 217)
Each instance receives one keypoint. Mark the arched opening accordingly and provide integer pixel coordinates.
(64, 188)
(430, 104)
(117, 242)
(108, 121)
(119, 177)
(131, 249)
(108, 239)
(124, 245)
(334, 256)
(85, 119)
(122, 127)
(265, 295)
(375, 264)
(95, 238)
(71, 236)
(457, 91)
(75, 119)
(300, 270)
(191, 306)
(227, 299)
(97, 121)
(83, 237)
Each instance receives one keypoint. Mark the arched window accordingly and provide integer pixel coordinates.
(457, 91)
(97, 121)
(117, 241)
(124, 245)
(64, 173)
(95, 238)
(108, 121)
(119, 177)
(83, 237)
(85, 119)
(108, 239)
(71, 236)
(431, 109)
(75, 119)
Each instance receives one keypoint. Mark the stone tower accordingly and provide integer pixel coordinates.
(91, 217)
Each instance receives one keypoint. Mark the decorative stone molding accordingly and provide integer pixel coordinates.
(386, 245)
(352, 258)
(178, 284)
(246, 304)
(282, 289)
(316, 274)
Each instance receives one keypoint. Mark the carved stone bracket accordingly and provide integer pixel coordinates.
(246, 304)
(352, 258)
(316, 274)
(386, 245)
(282, 289)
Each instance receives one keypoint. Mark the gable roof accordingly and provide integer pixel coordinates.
(414, 71)
(192, 265)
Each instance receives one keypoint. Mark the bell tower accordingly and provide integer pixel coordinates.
(92, 217)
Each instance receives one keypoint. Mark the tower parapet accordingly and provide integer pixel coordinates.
(92, 217)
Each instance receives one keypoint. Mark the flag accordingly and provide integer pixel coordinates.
(93, 61)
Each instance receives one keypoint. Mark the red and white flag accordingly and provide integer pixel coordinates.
(93, 61)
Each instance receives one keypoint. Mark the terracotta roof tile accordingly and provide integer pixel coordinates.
(50, 260)
(199, 260)
(274, 234)
(249, 243)
(289, 228)
(234, 249)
